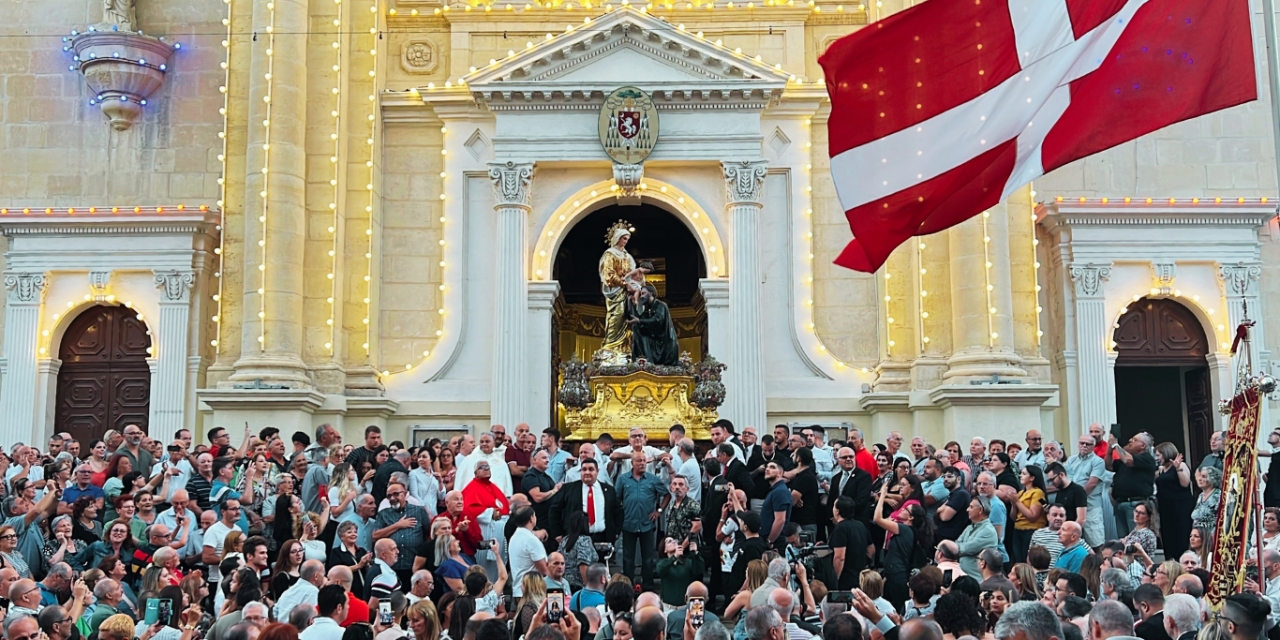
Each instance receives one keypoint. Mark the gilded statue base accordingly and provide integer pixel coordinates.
(620, 403)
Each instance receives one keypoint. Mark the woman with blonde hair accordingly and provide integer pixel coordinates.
(1165, 574)
(535, 593)
(423, 620)
(117, 627)
(1023, 577)
(872, 584)
(343, 491)
(233, 545)
(757, 573)
(306, 529)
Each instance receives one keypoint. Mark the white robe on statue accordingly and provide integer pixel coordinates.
(501, 473)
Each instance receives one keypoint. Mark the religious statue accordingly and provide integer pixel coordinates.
(653, 336)
(615, 265)
(120, 13)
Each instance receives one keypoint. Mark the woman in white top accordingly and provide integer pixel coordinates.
(424, 484)
(307, 528)
(343, 491)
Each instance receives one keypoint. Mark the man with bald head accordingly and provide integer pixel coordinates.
(640, 493)
(685, 465)
(357, 609)
(500, 473)
(24, 597)
(1074, 548)
(586, 451)
(304, 591)
(385, 580)
(648, 623)
(783, 602)
(675, 617)
(519, 454)
(1034, 453)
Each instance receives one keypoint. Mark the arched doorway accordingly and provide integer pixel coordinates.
(660, 238)
(104, 382)
(1162, 376)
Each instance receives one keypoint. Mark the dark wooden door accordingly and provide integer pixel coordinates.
(1199, 412)
(104, 382)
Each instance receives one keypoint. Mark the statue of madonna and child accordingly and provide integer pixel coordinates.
(637, 324)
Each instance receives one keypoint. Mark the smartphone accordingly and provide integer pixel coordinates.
(555, 604)
(158, 610)
(384, 612)
(697, 612)
(946, 578)
(845, 597)
(1115, 430)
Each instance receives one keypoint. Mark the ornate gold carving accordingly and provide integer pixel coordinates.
(640, 399)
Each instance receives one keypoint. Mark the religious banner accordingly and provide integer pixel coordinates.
(1239, 491)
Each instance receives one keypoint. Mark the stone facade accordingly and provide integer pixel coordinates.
(356, 254)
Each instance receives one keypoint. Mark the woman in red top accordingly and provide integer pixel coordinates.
(98, 462)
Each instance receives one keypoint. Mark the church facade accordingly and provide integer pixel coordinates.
(377, 212)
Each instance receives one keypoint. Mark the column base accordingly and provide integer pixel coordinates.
(964, 367)
(288, 409)
(363, 382)
(288, 371)
(991, 410)
(892, 376)
(890, 411)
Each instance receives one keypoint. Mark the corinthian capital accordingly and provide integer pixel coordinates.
(511, 183)
(25, 287)
(1240, 279)
(1089, 277)
(175, 286)
(744, 181)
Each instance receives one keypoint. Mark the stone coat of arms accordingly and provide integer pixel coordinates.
(628, 125)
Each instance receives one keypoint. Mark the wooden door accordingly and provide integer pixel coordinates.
(104, 382)
(1199, 413)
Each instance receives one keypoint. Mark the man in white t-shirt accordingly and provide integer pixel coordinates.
(179, 469)
(655, 458)
(526, 550)
(211, 552)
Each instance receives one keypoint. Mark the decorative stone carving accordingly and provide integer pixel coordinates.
(120, 14)
(511, 182)
(123, 69)
(98, 281)
(628, 178)
(1240, 279)
(175, 285)
(1164, 272)
(744, 181)
(418, 56)
(1089, 278)
(24, 287)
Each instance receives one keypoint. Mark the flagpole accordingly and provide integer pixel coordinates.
(1273, 77)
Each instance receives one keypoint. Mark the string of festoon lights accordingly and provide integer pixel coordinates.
(371, 142)
(335, 181)
(225, 90)
(1035, 265)
(669, 6)
(986, 279)
(266, 156)
(45, 341)
(924, 293)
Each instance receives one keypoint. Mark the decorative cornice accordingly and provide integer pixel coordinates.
(1026, 395)
(63, 224)
(1250, 213)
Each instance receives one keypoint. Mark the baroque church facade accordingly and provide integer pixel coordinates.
(388, 212)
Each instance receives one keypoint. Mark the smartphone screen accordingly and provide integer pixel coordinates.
(840, 596)
(555, 604)
(697, 613)
(384, 612)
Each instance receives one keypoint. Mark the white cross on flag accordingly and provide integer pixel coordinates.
(942, 110)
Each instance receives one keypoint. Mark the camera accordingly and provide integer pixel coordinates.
(723, 488)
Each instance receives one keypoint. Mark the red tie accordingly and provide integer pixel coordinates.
(591, 505)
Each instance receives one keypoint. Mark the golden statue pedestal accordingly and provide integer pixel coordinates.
(605, 398)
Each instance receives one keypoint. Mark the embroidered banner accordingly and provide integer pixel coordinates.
(1239, 490)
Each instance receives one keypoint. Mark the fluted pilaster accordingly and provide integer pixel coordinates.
(1093, 334)
(21, 330)
(744, 377)
(512, 182)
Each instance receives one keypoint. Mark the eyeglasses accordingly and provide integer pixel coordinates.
(9, 536)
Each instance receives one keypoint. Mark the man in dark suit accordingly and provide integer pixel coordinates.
(596, 499)
(853, 482)
(734, 469)
(1148, 599)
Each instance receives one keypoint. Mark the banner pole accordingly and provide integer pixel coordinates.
(1273, 76)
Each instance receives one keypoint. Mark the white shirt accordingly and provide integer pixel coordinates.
(176, 482)
(500, 472)
(213, 539)
(426, 488)
(650, 453)
(598, 496)
(737, 451)
(525, 550)
(169, 519)
(302, 592)
(574, 473)
(824, 464)
(322, 629)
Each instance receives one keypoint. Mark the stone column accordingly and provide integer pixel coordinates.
(169, 386)
(977, 354)
(277, 357)
(715, 295)
(1093, 335)
(1240, 284)
(744, 377)
(540, 377)
(21, 333)
(512, 183)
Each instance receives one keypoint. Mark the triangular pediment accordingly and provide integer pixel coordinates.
(627, 47)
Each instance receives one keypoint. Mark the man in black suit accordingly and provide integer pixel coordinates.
(734, 469)
(1148, 599)
(596, 499)
(853, 482)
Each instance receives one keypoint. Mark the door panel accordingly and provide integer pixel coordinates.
(105, 382)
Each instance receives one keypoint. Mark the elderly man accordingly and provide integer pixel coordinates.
(326, 436)
(1217, 443)
(405, 525)
(684, 515)
(591, 496)
(1110, 619)
(55, 584)
(1181, 616)
(80, 487)
(893, 446)
(107, 593)
(851, 481)
(257, 615)
(1086, 470)
(920, 455)
(586, 451)
(24, 598)
(1034, 453)
(555, 573)
(386, 578)
(779, 576)
(978, 536)
(1028, 621)
(749, 446)
(783, 602)
(423, 583)
(640, 493)
(499, 472)
(1134, 481)
(1074, 548)
(304, 591)
(1049, 536)
(519, 454)
(619, 459)
(362, 515)
(685, 465)
(675, 617)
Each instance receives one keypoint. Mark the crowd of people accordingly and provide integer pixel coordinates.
(774, 536)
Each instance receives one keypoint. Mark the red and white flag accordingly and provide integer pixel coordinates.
(942, 110)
